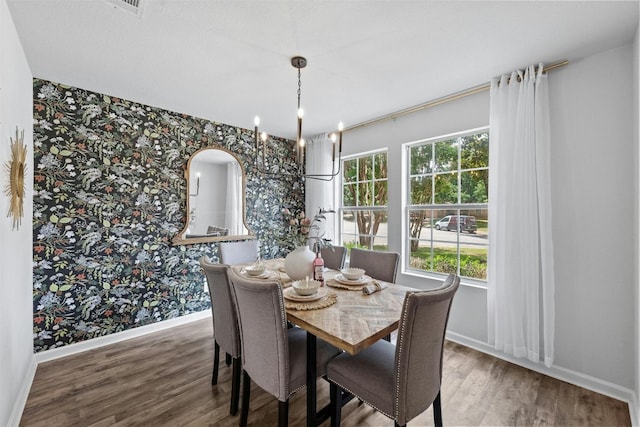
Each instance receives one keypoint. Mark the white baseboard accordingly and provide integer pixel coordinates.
(23, 395)
(56, 353)
(633, 411)
(576, 378)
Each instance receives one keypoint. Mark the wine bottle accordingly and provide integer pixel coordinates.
(318, 267)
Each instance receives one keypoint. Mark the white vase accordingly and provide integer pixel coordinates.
(299, 263)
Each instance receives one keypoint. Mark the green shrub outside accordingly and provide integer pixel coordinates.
(473, 263)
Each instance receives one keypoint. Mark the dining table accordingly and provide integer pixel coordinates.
(344, 315)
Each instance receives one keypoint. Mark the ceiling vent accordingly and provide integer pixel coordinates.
(133, 7)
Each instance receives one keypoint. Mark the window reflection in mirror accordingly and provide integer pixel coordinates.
(215, 206)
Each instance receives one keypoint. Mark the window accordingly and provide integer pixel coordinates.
(447, 210)
(363, 211)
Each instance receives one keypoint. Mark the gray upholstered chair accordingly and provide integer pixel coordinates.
(273, 356)
(379, 265)
(400, 381)
(238, 252)
(334, 257)
(226, 329)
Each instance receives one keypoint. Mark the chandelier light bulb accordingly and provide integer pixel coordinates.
(333, 137)
(300, 113)
(256, 121)
(302, 142)
(263, 136)
(340, 126)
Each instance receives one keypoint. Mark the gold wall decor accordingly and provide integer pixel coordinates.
(15, 188)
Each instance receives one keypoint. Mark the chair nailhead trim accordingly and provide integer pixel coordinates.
(292, 392)
(399, 347)
(283, 316)
(373, 406)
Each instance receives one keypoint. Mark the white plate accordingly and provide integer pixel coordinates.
(267, 274)
(290, 294)
(361, 281)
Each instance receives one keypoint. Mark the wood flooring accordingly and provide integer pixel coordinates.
(164, 379)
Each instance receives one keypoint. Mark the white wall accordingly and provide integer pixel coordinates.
(593, 175)
(16, 343)
(593, 180)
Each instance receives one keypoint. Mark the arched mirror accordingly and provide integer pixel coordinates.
(215, 200)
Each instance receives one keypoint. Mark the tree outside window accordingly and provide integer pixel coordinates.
(364, 202)
(448, 186)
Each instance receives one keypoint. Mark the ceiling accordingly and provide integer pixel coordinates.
(229, 60)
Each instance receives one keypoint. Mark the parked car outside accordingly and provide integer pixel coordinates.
(450, 222)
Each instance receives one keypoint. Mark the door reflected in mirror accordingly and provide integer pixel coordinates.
(215, 198)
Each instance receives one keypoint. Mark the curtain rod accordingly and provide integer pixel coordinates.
(439, 101)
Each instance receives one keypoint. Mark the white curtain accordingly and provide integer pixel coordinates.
(321, 194)
(233, 211)
(521, 281)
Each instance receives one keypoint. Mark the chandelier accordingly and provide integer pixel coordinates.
(299, 63)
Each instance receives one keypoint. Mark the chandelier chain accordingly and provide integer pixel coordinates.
(299, 87)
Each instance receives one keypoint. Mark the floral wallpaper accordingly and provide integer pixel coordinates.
(109, 195)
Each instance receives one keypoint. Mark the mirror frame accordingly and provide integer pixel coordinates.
(180, 238)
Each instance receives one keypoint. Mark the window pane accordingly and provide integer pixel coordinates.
(365, 221)
(380, 161)
(420, 221)
(350, 170)
(348, 228)
(474, 245)
(348, 222)
(421, 159)
(445, 258)
(380, 198)
(446, 188)
(446, 155)
(379, 231)
(365, 172)
(420, 190)
(474, 151)
(349, 195)
(420, 257)
(474, 186)
(365, 194)
(482, 223)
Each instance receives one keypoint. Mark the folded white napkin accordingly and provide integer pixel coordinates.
(374, 287)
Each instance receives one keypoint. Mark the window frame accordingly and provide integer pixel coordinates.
(373, 208)
(459, 207)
